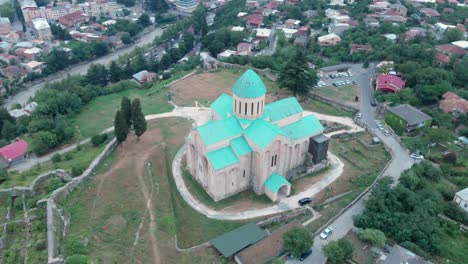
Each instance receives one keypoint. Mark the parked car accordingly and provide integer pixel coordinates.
(304, 201)
(305, 255)
(326, 233)
(417, 156)
(348, 82)
(385, 132)
(359, 115)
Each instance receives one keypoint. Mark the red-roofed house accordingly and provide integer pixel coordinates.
(389, 83)
(244, 49)
(73, 19)
(360, 48)
(13, 153)
(448, 51)
(429, 13)
(272, 5)
(452, 103)
(254, 21)
(442, 59)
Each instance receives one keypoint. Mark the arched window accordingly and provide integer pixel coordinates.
(258, 108)
(240, 107)
(251, 109)
(235, 106)
(245, 108)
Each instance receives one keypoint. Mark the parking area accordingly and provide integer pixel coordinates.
(338, 75)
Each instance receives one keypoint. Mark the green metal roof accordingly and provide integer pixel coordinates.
(305, 127)
(223, 157)
(283, 108)
(216, 131)
(232, 242)
(223, 105)
(275, 182)
(262, 133)
(249, 85)
(241, 146)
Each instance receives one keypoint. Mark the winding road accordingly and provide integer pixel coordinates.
(80, 69)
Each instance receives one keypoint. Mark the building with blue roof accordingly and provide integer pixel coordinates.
(251, 144)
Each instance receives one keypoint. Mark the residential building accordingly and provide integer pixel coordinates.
(447, 52)
(398, 9)
(42, 29)
(429, 13)
(400, 255)
(263, 33)
(13, 153)
(454, 104)
(73, 19)
(289, 33)
(7, 58)
(292, 23)
(371, 22)
(34, 66)
(309, 14)
(144, 76)
(338, 28)
(226, 54)
(251, 144)
(254, 21)
(461, 199)
(461, 43)
(389, 83)
(13, 37)
(244, 49)
(301, 41)
(406, 118)
(360, 48)
(12, 72)
(329, 40)
(5, 26)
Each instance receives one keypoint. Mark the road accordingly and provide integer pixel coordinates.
(81, 69)
(400, 162)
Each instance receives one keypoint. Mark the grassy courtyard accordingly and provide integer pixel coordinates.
(324, 108)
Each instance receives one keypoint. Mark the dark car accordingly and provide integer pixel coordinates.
(304, 201)
(305, 255)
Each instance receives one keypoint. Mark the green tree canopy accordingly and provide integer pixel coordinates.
(297, 241)
(126, 109)
(338, 251)
(138, 118)
(373, 236)
(296, 75)
(120, 127)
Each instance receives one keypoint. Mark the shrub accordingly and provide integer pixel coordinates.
(56, 158)
(78, 259)
(68, 156)
(98, 139)
(373, 236)
(297, 241)
(76, 171)
(338, 251)
(3, 176)
(54, 184)
(74, 245)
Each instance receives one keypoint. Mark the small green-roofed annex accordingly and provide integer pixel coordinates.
(306, 126)
(232, 242)
(262, 132)
(241, 146)
(223, 106)
(249, 85)
(282, 109)
(222, 158)
(275, 182)
(213, 132)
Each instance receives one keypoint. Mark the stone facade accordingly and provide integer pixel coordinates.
(260, 141)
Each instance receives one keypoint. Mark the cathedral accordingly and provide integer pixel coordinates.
(250, 144)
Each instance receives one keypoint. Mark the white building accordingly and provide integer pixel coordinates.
(42, 28)
(289, 33)
(263, 33)
(329, 40)
(461, 199)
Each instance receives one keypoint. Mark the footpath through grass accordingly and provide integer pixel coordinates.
(99, 114)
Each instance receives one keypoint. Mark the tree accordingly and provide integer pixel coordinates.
(373, 236)
(297, 241)
(126, 109)
(97, 74)
(296, 75)
(115, 72)
(453, 34)
(144, 20)
(200, 25)
(43, 141)
(78, 259)
(6, 10)
(157, 5)
(126, 38)
(459, 71)
(338, 251)
(120, 127)
(138, 118)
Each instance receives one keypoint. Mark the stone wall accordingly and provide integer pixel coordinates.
(56, 225)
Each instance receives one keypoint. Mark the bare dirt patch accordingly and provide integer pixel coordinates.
(206, 87)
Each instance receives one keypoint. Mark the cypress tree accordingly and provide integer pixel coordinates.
(120, 127)
(126, 109)
(138, 118)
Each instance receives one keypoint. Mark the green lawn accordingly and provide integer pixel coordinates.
(454, 246)
(344, 93)
(323, 108)
(99, 113)
(77, 158)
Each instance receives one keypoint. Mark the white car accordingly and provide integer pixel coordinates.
(416, 156)
(326, 233)
(359, 115)
(385, 132)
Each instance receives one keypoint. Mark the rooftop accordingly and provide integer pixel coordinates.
(399, 255)
(275, 182)
(40, 23)
(249, 85)
(14, 150)
(232, 242)
(463, 194)
(409, 113)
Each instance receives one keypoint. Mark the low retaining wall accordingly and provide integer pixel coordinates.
(54, 214)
